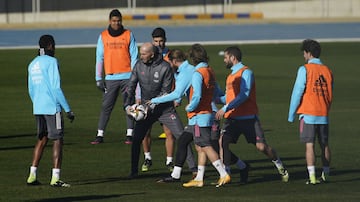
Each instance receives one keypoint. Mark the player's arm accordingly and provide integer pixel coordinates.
(246, 82)
(133, 82)
(182, 83)
(133, 50)
(196, 84)
(99, 59)
(54, 79)
(297, 93)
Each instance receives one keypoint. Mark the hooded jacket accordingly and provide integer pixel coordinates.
(155, 79)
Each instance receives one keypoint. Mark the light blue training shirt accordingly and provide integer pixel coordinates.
(247, 79)
(133, 50)
(296, 96)
(44, 86)
(182, 84)
(202, 120)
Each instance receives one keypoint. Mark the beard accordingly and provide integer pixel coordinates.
(229, 65)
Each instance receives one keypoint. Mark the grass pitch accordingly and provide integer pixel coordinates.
(97, 172)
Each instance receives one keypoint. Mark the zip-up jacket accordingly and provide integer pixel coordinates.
(154, 79)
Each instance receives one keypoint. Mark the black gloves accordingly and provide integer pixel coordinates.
(71, 116)
(101, 85)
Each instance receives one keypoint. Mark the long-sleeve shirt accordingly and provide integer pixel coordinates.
(45, 87)
(202, 120)
(247, 80)
(133, 50)
(182, 84)
(296, 96)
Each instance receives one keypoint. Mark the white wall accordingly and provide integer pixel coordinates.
(283, 10)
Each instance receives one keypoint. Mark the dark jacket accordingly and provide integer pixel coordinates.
(155, 79)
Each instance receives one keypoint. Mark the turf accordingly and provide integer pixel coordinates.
(97, 172)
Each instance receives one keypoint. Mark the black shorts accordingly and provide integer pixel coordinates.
(251, 128)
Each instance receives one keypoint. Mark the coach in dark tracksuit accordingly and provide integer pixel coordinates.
(155, 78)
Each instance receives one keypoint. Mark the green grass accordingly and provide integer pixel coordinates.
(97, 172)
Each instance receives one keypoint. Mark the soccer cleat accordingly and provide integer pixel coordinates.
(168, 180)
(324, 177)
(312, 180)
(194, 183)
(224, 180)
(284, 174)
(170, 166)
(98, 140)
(32, 180)
(146, 165)
(244, 174)
(128, 140)
(59, 183)
(162, 136)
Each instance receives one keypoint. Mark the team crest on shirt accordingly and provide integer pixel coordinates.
(156, 77)
(172, 117)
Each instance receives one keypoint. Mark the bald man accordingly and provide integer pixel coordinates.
(155, 78)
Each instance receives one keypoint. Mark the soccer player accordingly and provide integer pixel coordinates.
(200, 118)
(48, 102)
(182, 69)
(241, 111)
(311, 98)
(155, 78)
(159, 40)
(116, 54)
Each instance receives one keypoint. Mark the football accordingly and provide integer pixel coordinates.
(139, 112)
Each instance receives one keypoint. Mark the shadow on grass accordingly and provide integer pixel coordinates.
(49, 145)
(16, 148)
(155, 176)
(17, 136)
(86, 198)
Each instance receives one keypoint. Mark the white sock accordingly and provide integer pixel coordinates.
(169, 159)
(56, 173)
(33, 170)
(240, 164)
(176, 173)
(147, 155)
(278, 163)
(311, 170)
(100, 133)
(218, 165)
(129, 132)
(200, 173)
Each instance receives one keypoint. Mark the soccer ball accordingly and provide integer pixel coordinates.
(139, 112)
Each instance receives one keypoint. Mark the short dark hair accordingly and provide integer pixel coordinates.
(177, 54)
(197, 54)
(234, 51)
(115, 12)
(311, 46)
(159, 32)
(46, 40)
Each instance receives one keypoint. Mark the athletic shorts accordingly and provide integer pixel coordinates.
(309, 132)
(251, 128)
(50, 125)
(201, 135)
(215, 130)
